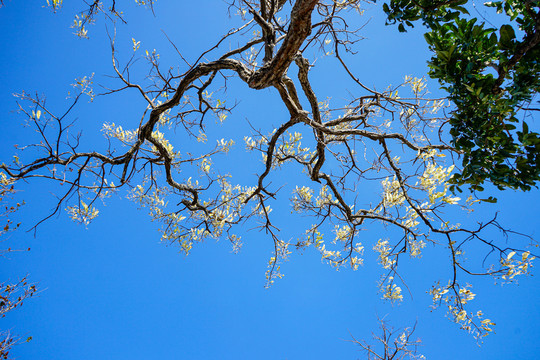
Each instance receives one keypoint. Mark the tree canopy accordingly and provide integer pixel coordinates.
(491, 73)
(381, 172)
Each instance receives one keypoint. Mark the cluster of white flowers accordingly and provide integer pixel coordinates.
(127, 137)
(205, 164)
(418, 85)
(343, 233)
(198, 225)
(79, 25)
(302, 197)
(136, 44)
(513, 267)
(5, 181)
(258, 142)
(470, 321)
(415, 247)
(410, 220)
(324, 108)
(392, 193)
(384, 254)
(84, 86)
(160, 137)
(434, 176)
(324, 198)
(334, 257)
(390, 290)
(202, 137)
(466, 295)
(292, 147)
(104, 189)
(281, 255)
(55, 4)
(224, 145)
(82, 214)
(435, 106)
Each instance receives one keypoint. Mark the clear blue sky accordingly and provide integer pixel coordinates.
(113, 291)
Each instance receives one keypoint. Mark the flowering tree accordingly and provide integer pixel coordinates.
(392, 344)
(12, 294)
(398, 143)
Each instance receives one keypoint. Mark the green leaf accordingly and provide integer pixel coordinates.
(461, 8)
(507, 34)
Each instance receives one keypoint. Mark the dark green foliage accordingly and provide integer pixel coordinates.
(492, 75)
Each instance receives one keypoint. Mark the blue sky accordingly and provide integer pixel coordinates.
(113, 291)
